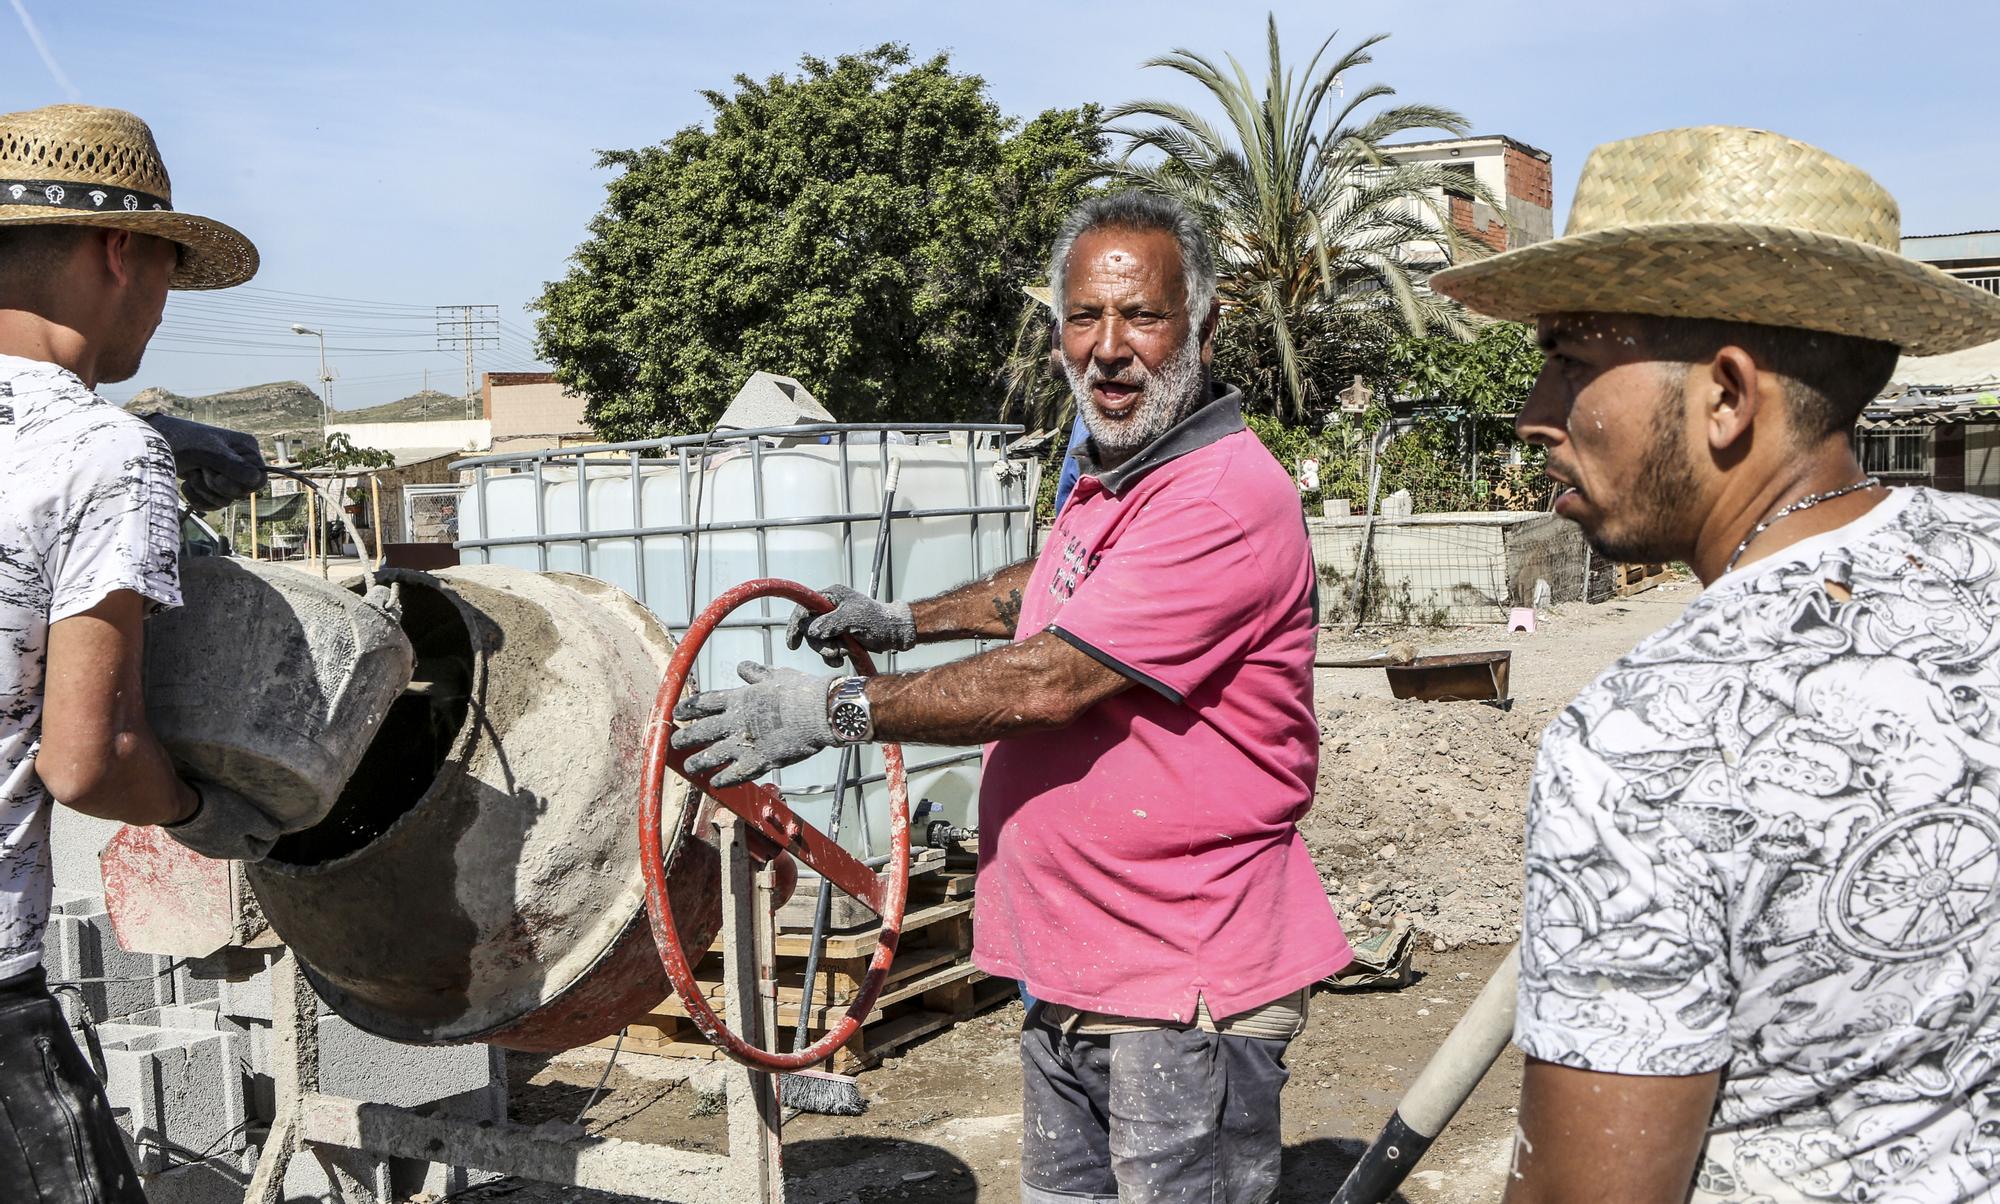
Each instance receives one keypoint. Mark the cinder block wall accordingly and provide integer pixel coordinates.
(187, 1050)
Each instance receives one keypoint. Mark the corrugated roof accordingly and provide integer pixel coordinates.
(1957, 409)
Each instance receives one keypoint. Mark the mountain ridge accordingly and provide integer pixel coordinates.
(288, 410)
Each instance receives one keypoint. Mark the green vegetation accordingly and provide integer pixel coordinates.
(864, 226)
(1322, 238)
(339, 451)
(1456, 456)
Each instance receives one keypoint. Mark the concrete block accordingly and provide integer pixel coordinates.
(179, 1092)
(307, 1182)
(79, 948)
(190, 987)
(365, 1067)
(211, 1181)
(250, 998)
(75, 840)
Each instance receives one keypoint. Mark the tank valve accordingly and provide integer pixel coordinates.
(943, 834)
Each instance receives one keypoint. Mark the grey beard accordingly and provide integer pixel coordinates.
(1166, 397)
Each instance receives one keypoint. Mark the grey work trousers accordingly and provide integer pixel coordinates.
(58, 1141)
(1158, 1116)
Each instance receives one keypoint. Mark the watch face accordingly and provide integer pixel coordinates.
(849, 721)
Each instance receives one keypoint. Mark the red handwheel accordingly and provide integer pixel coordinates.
(766, 815)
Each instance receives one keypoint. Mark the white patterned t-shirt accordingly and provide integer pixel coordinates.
(88, 506)
(1767, 842)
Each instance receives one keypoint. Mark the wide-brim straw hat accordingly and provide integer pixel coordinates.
(78, 165)
(1736, 224)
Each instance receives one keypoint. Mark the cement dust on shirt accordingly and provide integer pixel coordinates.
(1767, 842)
(89, 507)
(1146, 859)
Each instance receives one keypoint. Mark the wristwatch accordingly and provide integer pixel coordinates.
(847, 711)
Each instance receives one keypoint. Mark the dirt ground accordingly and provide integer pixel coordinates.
(1419, 814)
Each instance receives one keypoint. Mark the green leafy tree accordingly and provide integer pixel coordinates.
(1321, 236)
(339, 451)
(864, 226)
(1489, 374)
(1468, 392)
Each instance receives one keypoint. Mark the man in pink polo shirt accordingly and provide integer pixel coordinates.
(1151, 745)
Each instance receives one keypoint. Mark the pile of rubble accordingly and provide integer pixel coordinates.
(1420, 814)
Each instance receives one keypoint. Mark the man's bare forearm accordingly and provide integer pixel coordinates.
(1039, 684)
(987, 609)
(98, 755)
(1586, 1136)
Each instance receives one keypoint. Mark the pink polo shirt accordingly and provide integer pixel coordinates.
(1149, 853)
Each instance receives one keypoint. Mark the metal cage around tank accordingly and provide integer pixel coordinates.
(992, 495)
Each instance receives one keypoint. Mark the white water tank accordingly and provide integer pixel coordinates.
(765, 500)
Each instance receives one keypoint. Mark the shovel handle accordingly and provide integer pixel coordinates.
(1447, 1080)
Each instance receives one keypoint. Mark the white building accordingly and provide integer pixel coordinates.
(1513, 172)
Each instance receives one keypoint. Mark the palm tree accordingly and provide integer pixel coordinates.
(1317, 230)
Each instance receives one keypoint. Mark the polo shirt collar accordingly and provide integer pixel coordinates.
(1219, 418)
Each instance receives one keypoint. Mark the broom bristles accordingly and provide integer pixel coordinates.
(821, 1093)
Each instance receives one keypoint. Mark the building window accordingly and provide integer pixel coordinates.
(1990, 282)
(1895, 453)
(1459, 169)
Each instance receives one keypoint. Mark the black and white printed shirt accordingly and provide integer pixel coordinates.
(88, 506)
(1767, 841)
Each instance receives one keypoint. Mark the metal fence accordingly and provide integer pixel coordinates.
(964, 509)
(1448, 569)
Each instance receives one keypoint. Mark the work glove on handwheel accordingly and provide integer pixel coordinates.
(779, 719)
(876, 626)
(226, 826)
(217, 466)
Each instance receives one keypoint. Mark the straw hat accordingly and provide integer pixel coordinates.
(76, 165)
(1737, 224)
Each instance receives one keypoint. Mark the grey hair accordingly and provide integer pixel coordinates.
(1137, 210)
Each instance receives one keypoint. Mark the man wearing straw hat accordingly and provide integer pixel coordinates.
(89, 539)
(1760, 958)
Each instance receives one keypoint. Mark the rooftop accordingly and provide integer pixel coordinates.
(1945, 248)
(1516, 143)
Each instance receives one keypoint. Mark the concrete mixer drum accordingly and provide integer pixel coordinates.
(478, 878)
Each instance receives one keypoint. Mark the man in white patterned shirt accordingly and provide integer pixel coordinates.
(1760, 953)
(89, 544)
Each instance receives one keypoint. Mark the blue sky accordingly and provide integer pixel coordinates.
(406, 155)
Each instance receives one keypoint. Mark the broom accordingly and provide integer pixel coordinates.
(821, 1091)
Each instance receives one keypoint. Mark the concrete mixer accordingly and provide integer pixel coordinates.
(512, 859)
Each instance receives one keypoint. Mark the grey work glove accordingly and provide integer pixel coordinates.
(876, 626)
(779, 719)
(217, 466)
(226, 826)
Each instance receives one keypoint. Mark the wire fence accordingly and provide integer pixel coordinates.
(1450, 569)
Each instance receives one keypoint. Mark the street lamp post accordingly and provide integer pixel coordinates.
(325, 377)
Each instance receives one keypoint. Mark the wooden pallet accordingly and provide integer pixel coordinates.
(932, 983)
(1629, 579)
(933, 935)
(892, 1027)
(848, 912)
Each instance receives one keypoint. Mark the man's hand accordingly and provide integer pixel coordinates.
(216, 466)
(226, 826)
(777, 720)
(876, 626)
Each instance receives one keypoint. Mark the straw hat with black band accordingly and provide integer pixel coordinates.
(1734, 224)
(77, 165)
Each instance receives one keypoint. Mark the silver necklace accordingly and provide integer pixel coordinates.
(1805, 503)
